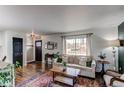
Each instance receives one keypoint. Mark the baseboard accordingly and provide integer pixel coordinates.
(30, 61)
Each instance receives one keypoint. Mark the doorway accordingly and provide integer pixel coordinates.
(18, 50)
(38, 50)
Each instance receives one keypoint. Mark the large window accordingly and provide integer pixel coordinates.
(76, 45)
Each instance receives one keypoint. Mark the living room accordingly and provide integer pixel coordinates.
(33, 38)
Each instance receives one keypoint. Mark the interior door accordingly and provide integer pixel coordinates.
(18, 50)
(38, 50)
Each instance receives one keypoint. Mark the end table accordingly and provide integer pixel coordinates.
(103, 62)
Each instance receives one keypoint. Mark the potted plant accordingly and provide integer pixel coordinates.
(102, 56)
(18, 66)
(57, 58)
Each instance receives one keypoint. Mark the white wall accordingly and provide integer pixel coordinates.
(45, 38)
(100, 39)
(2, 44)
(8, 46)
(54, 38)
(30, 48)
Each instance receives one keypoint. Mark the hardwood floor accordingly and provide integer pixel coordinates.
(32, 69)
(27, 71)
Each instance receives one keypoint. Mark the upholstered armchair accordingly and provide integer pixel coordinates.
(113, 79)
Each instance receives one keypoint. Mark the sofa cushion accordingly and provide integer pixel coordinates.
(83, 61)
(64, 58)
(70, 60)
(76, 60)
(89, 62)
(80, 67)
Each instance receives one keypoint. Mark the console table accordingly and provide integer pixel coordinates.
(48, 61)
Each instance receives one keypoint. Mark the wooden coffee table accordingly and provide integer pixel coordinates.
(69, 76)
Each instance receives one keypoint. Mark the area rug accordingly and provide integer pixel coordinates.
(38, 80)
(45, 80)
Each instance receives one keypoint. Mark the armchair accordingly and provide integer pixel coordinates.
(113, 79)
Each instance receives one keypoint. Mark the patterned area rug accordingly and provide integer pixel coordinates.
(45, 80)
(38, 80)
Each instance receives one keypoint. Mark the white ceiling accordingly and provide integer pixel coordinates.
(59, 18)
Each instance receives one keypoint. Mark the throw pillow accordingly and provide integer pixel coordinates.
(76, 60)
(83, 61)
(64, 58)
(89, 62)
(70, 60)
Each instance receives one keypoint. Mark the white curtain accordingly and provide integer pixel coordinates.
(63, 45)
(88, 45)
(81, 44)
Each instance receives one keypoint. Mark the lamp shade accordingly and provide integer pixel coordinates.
(114, 43)
(121, 42)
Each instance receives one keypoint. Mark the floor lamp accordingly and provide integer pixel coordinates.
(114, 44)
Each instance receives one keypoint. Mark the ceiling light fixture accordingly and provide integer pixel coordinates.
(33, 35)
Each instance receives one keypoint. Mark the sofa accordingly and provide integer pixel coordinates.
(86, 64)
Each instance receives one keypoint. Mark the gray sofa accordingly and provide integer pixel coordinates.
(86, 64)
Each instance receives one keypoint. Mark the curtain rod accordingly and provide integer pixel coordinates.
(77, 34)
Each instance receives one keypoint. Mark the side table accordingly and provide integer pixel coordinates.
(103, 62)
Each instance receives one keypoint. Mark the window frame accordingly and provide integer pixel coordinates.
(75, 42)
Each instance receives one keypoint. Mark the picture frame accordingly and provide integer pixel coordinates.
(45, 46)
(50, 45)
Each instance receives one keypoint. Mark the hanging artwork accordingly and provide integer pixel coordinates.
(50, 45)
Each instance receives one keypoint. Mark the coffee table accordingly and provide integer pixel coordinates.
(69, 76)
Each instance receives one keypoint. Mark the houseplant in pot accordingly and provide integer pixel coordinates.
(18, 66)
(55, 57)
(102, 56)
